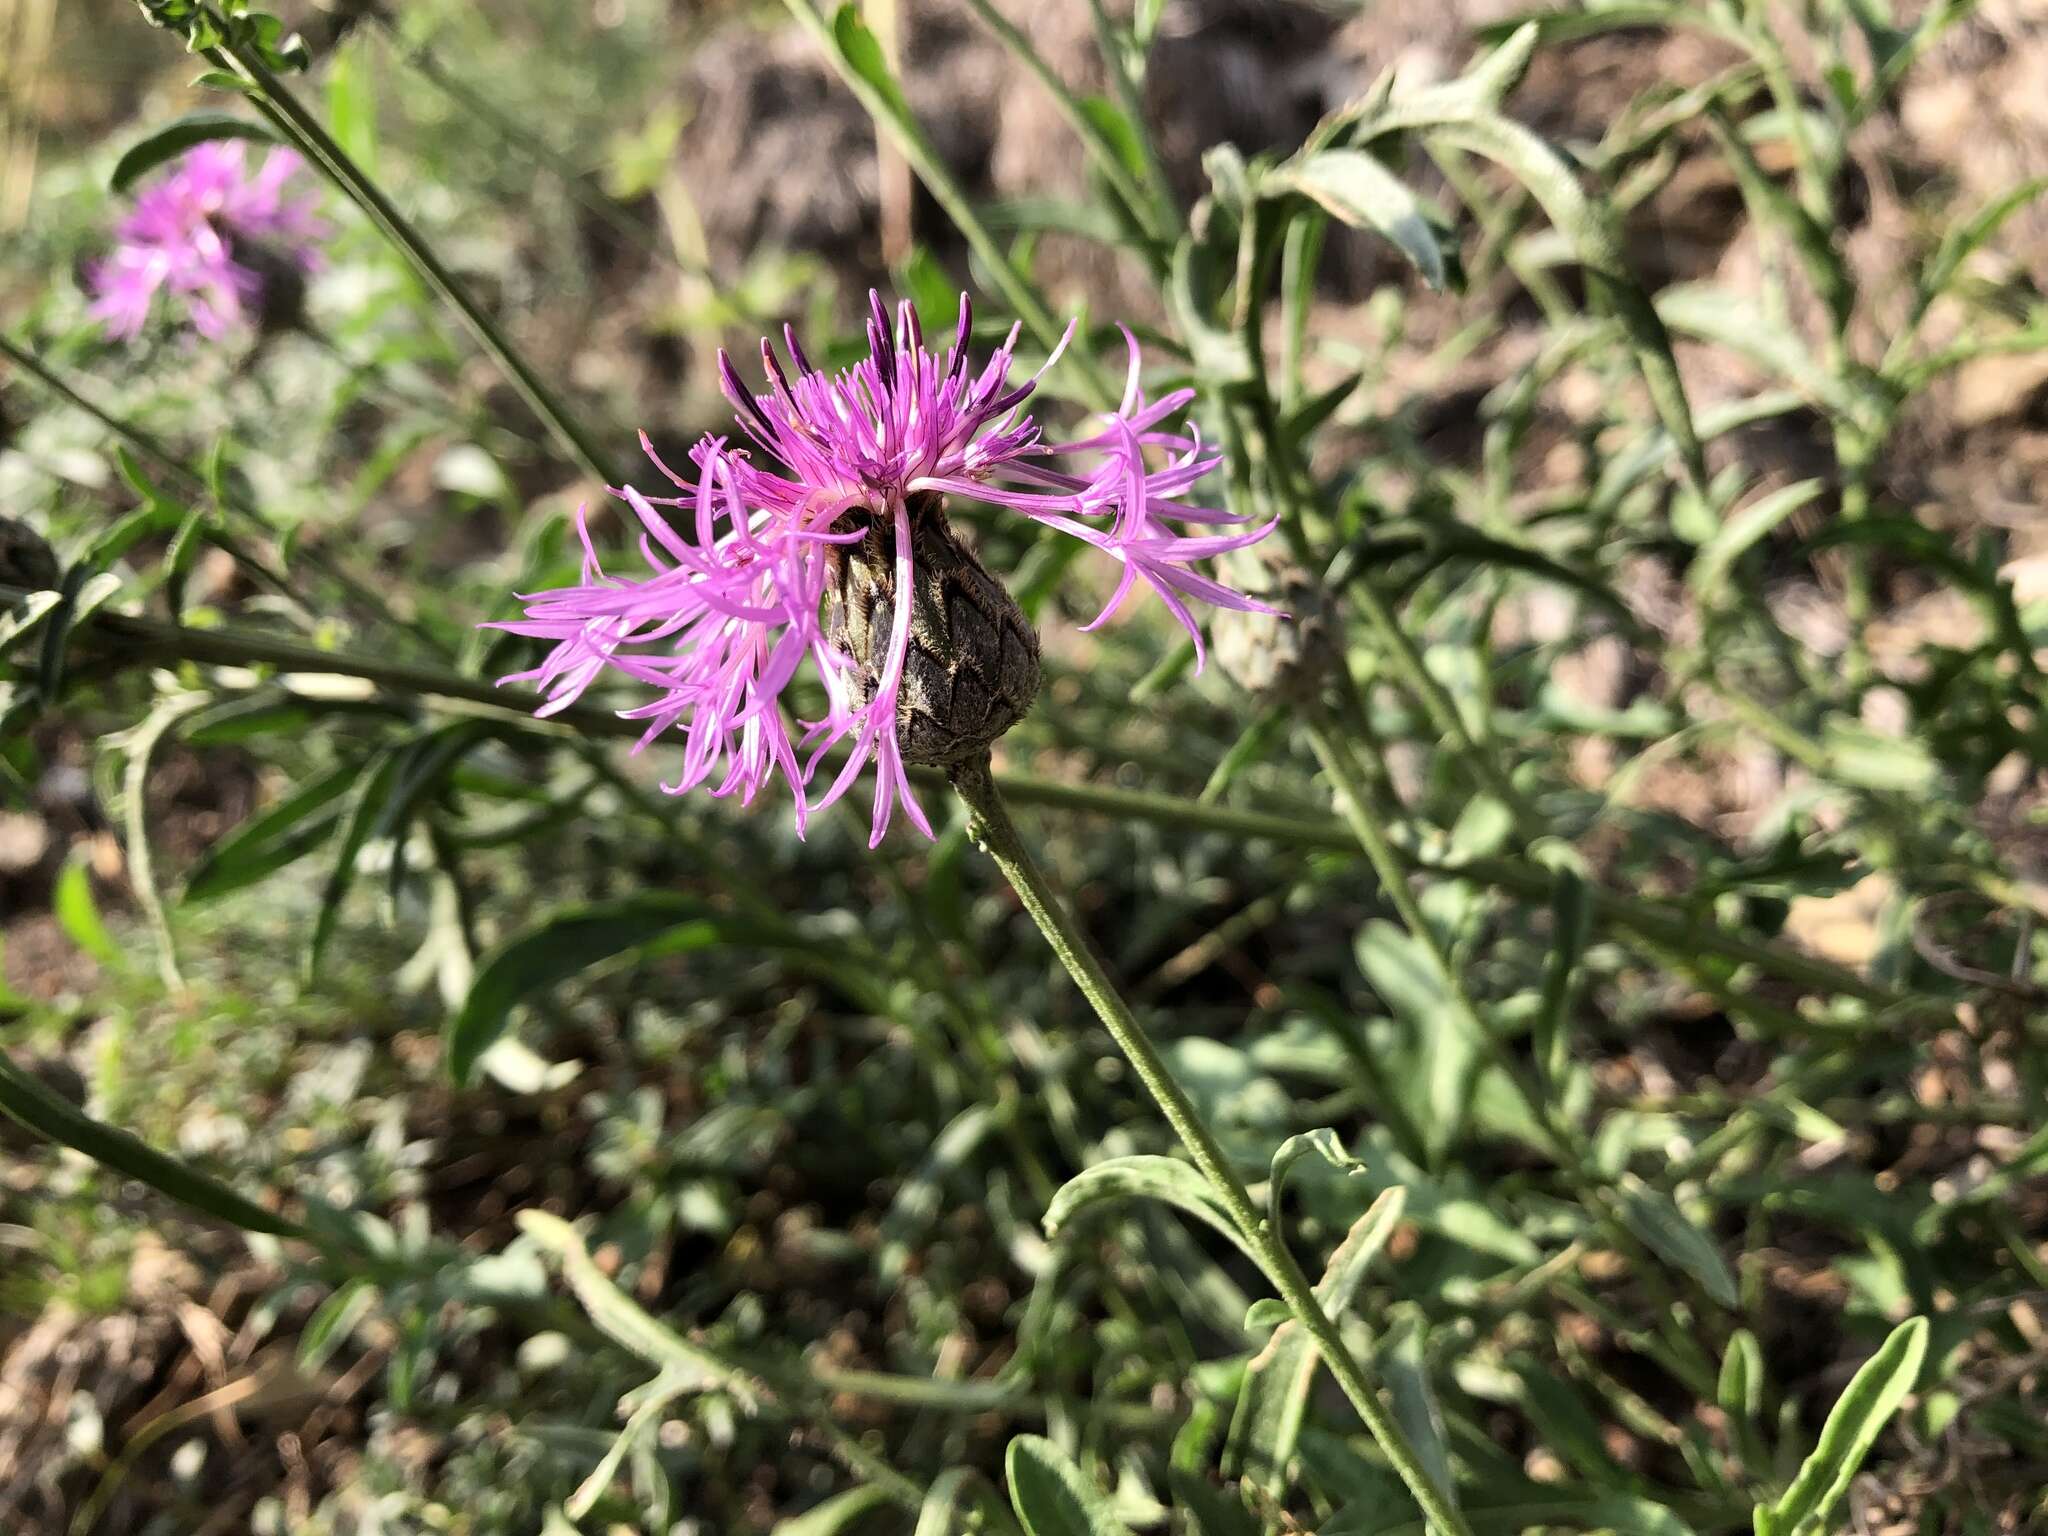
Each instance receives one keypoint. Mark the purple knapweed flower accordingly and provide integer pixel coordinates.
(202, 234)
(745, 558)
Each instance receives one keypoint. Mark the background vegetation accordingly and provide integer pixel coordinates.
(1640, 874)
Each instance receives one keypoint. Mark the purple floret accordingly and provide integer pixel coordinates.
(741, 561)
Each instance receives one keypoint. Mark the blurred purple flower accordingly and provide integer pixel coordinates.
(195, 233)
(730, 614)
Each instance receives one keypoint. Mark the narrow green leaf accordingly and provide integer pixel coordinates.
(1207, 1510)
(1963, 240)
(1656, 1219)
(1118, 133)
(59, 1120)
(352, 105)
(1346, 1270)
(1587, 226)
(1052, 1496)
(169, 142)
(1868, 1404)
(1443, 1057)
(1406, 1373)
(653, 1400)
(1554, 1406)
(141, 752)
(84, 590)
(1144, 1176)
(1709, 572)
(1356, 189)
(1322, 1143)
(940, 1514)
(1740, 1390)
(921, 1197)
(1272, 1403)
(336, 1318)
(1219, 353)
(562, 945)
(1559, 26)
(373, 788)
(267, 843)
(1571, 921)
(1266, 1314)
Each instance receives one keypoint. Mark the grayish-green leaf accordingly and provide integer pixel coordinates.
(1709, 572)
(1655, 1218)
(1406, 1372)
(1144, 1176)
(625, 1321)
(839, 1513)
(1740, 1390)
(562, 945)
(1322, 1143)
(1357, 189)
(1052, 1496)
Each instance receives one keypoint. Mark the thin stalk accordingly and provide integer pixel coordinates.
(1143, 208)
(305, 133)
(572, 176)
(1355, 800)
(1566, 1145)
(977, 788)
(1126, 91)
(156, 640)
(194, 483)
(1437, 702)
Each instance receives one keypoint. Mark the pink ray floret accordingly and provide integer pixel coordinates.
(181, 240)
(739, 563)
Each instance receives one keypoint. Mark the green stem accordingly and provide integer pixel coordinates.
(194, 483)
(1143, 208)
(977, 788)
(1565, 1144)
(305, 132)
(145, 639)
(1126, 92)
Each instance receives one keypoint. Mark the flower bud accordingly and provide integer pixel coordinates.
(971, 671)
(1284, 656)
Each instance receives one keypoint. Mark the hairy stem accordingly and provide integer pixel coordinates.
(998, 834)
(145, 640)
(1564, 1142)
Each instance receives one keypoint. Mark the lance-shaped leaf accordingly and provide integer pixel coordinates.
(1358, 190)
(562, 945)
(59, 1120)
(1272, 1404)
(169, 142)
(1873, 1396)
(626, 1322)
(1144, 1176)
(1052, 1496)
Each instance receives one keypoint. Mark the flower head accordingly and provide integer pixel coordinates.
(205, 234)
(847, 500)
